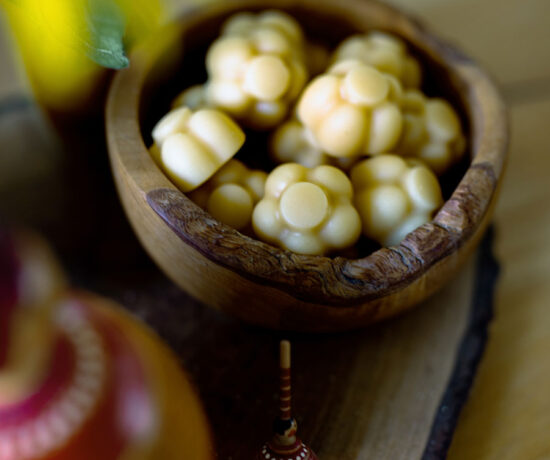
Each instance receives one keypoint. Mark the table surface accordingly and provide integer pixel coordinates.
(508, 413)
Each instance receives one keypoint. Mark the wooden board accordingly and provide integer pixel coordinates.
(392, 391)
(508, 416)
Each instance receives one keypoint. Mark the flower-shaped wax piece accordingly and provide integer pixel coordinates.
(386, 52)
(257, 67)
(292, 142)
(193, 146)
(230, 195)
(394, 196)
(307, 211)
(352, 110)
(431, 131)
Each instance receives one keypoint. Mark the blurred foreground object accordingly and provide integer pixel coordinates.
(285, 445)
(81, 379)
(67, 44)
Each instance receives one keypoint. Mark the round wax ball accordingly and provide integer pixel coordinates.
(344, 227)
(304, 205)
(228, 57)
(267, 77)
(217, 131)
(231, 204)
(187, 162)
(173, 122)
(441, 120)
(385, 128)
(342, 132)
(366, 86)
(319, 97)
(423, 188)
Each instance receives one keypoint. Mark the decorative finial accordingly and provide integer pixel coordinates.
(285, 445)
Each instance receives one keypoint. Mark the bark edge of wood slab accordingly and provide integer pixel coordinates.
(272, 287)
(469, 352)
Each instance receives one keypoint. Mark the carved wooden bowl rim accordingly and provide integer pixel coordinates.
(333, 281)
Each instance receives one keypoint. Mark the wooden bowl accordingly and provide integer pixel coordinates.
(258, 282)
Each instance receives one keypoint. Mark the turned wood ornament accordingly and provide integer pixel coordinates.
(79, 379)
(266, 285)
(285, 445)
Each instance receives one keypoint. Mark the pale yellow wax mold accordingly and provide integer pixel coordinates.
(394, 196)
(194, 145)
(256, 69)
(352, 110)
(292, 142)
(384, 51)
(431, 131)
(308, 211)
(232, 205)
(231, 194)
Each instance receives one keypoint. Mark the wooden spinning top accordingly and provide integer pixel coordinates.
(285, 445)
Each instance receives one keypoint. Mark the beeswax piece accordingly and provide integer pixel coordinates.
(307, 211)
(231, 204)
(231, 193)
(394, 196)
(431, 132)
(385, 52)
(193, 146)
(293, 143)
(352, 110)
(256, 69)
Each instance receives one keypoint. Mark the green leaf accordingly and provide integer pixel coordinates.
(106, 24)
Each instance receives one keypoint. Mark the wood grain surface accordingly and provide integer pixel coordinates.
(508, 409)
(390, 392)
(508, 415)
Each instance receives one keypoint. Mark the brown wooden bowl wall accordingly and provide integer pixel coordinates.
(260, 283)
